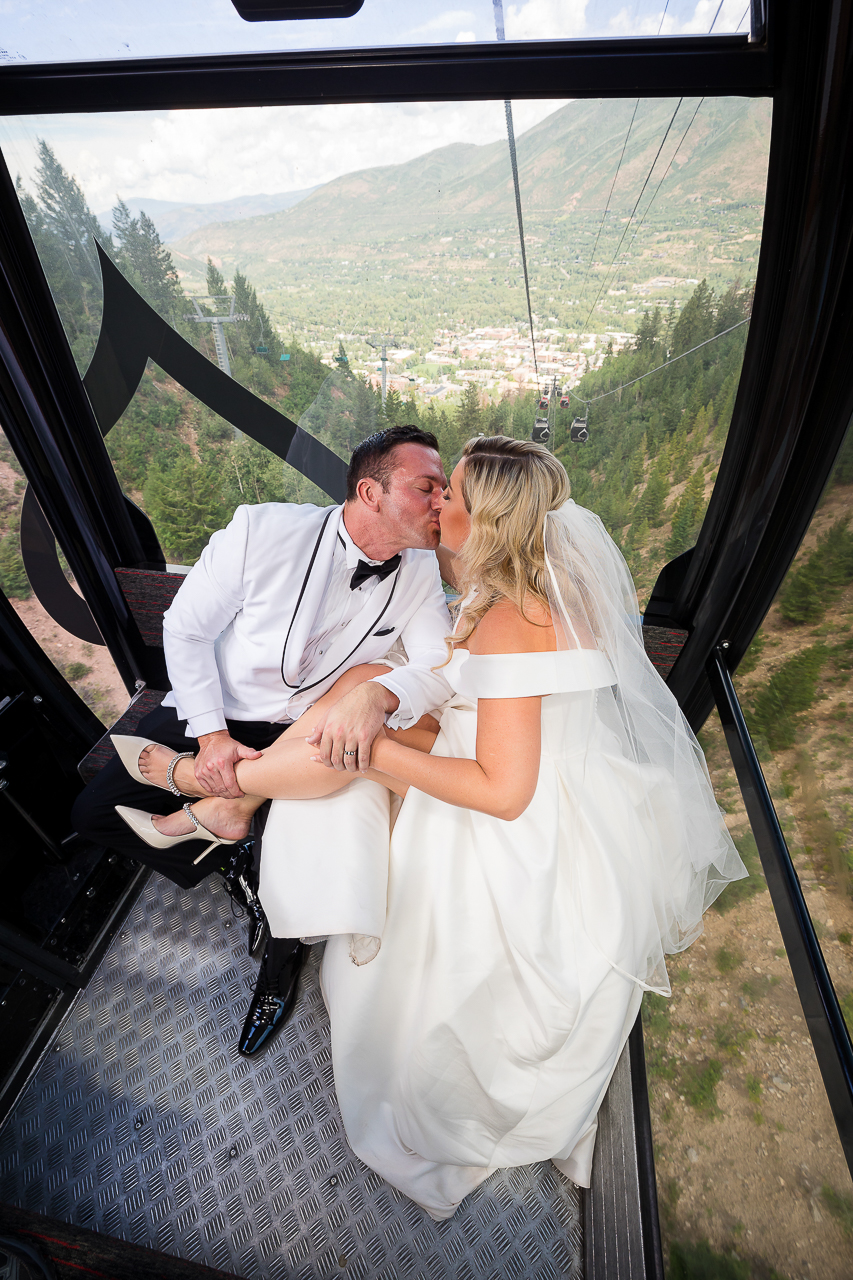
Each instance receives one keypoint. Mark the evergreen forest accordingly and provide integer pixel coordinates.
(647, 468)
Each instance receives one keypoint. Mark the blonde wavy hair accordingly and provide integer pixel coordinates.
(508, 487)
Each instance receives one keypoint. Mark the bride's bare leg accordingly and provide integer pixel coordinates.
(286, 770)
(154, 762)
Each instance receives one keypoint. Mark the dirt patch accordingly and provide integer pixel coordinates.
(747, 1152)
(99, 685)
(745, 1140)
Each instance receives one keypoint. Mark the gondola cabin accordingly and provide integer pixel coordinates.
(134, 1139)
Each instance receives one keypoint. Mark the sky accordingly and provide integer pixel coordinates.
(209, 155)
(58, 30)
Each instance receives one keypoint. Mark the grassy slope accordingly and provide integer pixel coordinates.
(409, 241)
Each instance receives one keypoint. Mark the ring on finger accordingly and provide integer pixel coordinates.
(350, 753)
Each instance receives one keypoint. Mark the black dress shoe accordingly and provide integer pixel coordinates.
(272, 1003)
(241, 883)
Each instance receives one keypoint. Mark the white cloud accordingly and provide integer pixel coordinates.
(204, 156)
(733, 16)
(466, 37)
(445, 21)
(546, 20)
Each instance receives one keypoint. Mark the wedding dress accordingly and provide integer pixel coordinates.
(514, 955)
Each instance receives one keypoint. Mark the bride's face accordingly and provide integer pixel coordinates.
(455, 520)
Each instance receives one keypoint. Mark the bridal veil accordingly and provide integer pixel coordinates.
(688, 856)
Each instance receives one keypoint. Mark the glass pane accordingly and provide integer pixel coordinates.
(794, 683)
(88, 668)
(42, 31)
(751, 1176)
(639, 247)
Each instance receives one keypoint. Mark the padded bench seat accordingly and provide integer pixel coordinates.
(149, 594)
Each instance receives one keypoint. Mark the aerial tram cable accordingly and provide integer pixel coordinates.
(716, 16)
(501, 35)
(579, 432)
(607, 276)
(666, 171)
(616, 175)
(657, 368)
(654, 162)
(609, 198)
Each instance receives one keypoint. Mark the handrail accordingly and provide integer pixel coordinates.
(824, 1019)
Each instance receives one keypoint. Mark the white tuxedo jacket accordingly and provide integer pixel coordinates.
(235, 633)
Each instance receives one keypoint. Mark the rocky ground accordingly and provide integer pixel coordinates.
(88, 667)
(747, 1151)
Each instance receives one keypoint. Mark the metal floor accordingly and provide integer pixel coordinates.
(143, 1122)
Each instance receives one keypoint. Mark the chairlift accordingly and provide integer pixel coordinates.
(578, 432)
(341, 359)
(541, 432)
(262, 351)
(285, 355)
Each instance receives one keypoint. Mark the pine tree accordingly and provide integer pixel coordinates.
(813, 585)
(469, 415)
(146, 262)
(789, 691)
(696, 322)
(13, 577)
(680, 453)
(216, 286)
(650, 503)
(687, 515)
(185, 503)
(648, 331)
(68, 216)
(259, 328)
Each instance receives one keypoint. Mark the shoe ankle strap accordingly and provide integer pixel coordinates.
(170, 781)
(188, 811)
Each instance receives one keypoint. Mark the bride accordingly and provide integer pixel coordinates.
(558, 835)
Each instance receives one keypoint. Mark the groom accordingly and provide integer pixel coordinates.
(280, 604)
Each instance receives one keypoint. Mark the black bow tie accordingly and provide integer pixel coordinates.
(363, 571)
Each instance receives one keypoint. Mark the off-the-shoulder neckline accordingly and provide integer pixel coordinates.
(530, 653)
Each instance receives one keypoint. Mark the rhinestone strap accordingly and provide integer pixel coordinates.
(170, 782)
(188, 811)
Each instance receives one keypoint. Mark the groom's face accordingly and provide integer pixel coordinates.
(411, 507)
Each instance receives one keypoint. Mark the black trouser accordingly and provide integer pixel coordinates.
(95, 818)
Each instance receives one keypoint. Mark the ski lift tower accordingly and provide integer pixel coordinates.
(216, 323)
(381, 345)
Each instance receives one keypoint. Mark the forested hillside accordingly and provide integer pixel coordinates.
(433, 242)
(647, 469)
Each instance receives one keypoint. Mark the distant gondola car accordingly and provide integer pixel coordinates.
(543, 403)
(579, 433)
(564, 402)
(541, 431)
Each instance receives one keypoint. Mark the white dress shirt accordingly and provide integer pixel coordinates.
(340, 604)
(265, 622)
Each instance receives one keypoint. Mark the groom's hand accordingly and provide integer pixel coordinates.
(214, 764)
(345, 734)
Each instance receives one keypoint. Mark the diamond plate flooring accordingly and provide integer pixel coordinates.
(144, 1122)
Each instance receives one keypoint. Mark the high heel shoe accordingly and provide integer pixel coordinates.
(129, 750)
(142, 825)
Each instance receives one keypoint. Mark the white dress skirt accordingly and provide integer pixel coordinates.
(485, 1031)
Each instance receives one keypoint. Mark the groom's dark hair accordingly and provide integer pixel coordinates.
(373, 456)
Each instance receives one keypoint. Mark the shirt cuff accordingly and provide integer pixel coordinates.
(404, 717)
(208, 722)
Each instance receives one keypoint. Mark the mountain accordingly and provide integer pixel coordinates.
(173, 219)
(566, 165)
(410, 248)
